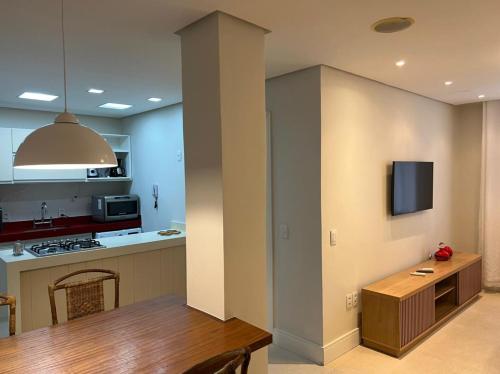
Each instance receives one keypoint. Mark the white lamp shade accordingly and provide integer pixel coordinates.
(65, 144)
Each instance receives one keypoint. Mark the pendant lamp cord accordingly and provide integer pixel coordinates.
(64, 56)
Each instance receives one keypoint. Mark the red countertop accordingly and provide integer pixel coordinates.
(23, 230)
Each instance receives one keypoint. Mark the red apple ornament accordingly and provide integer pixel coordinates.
(444, 252)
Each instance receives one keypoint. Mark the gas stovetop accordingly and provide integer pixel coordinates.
(59, 247)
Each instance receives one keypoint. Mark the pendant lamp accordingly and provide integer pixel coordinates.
(65, 144)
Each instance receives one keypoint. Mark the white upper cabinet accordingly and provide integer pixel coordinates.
(5, 155)
(11, 139)
(49, 175)
(18, 136)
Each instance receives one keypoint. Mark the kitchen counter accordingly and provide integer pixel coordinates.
(12, 266)
(23, 230)
(118, 245)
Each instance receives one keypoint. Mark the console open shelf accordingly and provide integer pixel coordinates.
(446, 286)
(443, 308)
(443, 291)
(445, 297)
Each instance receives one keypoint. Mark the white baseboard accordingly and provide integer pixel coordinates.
(298, 345)
(341, 345)
(317, 353)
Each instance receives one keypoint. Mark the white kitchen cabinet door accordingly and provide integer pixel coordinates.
(5, 155)
(18, 136)
(46, 175)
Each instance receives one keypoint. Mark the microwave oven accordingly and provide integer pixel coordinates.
(115, 208)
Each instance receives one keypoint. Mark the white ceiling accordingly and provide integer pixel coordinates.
(128, 47)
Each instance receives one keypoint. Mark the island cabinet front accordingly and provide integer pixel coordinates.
(143, 276)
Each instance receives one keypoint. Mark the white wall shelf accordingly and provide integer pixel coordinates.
(118, 142)
(119, 150)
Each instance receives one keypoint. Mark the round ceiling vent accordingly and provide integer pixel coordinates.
(392, 24)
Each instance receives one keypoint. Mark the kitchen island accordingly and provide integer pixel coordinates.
(150, 265)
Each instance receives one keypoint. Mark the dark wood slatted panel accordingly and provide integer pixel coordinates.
(156, 336)
(416, 315)
(469, 282)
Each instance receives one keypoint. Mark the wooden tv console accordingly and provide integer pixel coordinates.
(401, 310)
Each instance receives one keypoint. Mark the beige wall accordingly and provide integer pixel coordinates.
(364, 126)
(294, 103)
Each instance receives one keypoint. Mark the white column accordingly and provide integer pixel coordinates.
(223, 83)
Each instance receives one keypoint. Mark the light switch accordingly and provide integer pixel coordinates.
(179, 155)
(284, 232)
(333, 238)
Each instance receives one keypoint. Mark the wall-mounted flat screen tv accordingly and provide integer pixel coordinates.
(412, 186)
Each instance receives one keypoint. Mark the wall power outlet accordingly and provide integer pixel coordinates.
(355, 298)
(351, 300)
(348, 301)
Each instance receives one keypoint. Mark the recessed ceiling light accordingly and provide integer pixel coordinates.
(481, 96)
(95, 91)
(37, 96)
(154, 99)
(392, 24)
(400, 63)
(115, 106)
(448, 83)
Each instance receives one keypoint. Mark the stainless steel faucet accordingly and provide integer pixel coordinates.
(45, 220)
(44, 210)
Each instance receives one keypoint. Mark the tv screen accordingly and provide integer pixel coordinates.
(412, 186)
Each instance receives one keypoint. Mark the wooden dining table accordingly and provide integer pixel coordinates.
(161, 335)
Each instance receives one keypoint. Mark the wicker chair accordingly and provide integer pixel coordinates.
(11, 302)
(83, 297)
(226, 363)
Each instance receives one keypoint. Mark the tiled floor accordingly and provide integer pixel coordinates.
(469, 343)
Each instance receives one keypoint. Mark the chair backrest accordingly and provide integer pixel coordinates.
(226, 363)
(11, 302)
(83, 297)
